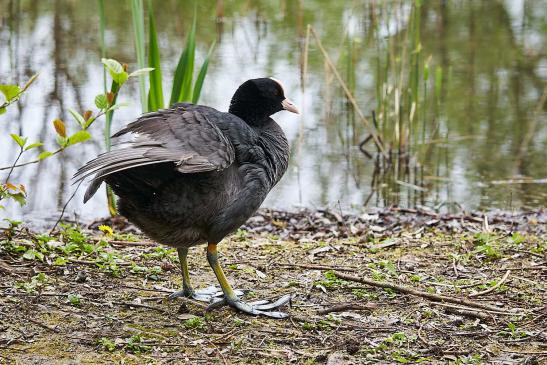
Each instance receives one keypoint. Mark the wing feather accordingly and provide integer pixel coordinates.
(186, 138)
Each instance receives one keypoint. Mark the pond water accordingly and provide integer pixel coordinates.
(457, 87)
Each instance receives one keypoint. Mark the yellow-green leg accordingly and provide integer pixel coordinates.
(187, 290)
(230, 296)
(183, 260)
(212, 258)
(205, 295)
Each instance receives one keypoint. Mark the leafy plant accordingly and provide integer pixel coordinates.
(17, 193)
(474, 359)
(105, 103)
(107, 344)
(513, 331)
(488, 245)
(194, 323)
(74, 299)
(11, 230)
(135, 344)
(12, 93)
(36, 282)
(330, 281)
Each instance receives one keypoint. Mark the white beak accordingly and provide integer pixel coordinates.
(289, 106)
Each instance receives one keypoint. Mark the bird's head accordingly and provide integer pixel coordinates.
(256, 99)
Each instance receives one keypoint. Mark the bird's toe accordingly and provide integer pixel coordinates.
(178, 294)
(261, 307)
(278, 303)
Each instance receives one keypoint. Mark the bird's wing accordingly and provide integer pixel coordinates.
(185, 137)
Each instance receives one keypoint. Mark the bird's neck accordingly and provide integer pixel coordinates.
(250, 115)
(276, 151)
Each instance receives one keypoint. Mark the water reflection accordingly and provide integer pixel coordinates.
(480, 121)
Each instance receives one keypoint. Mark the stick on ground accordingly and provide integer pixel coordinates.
(494, 287)
(430, 296)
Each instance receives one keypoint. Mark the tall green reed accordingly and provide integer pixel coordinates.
(184, 88)
(137, 14)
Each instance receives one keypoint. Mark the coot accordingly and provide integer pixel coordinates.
(191, 175)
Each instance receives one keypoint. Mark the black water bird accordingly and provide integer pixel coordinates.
(191, 175)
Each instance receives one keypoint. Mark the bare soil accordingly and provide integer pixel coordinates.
(92, 298)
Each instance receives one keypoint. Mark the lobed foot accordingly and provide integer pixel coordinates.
(208, 295)
(261, 307)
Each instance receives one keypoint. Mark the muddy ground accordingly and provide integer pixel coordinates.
(91, 296)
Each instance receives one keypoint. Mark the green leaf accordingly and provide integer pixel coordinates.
(101, 102)
(74, 299)
(33, 254)
(60, 261)
(77, 117)
(62, 141)
(116, 70)
(19, 198)
(44, 155)
(121, 78)
(182, 82)
(33, 145)
(141, 71)
(10, 91)
(89, 122)
(21, 141)
(113, 66)
(78, 137)
(155, 93)
(201, 76)
(2, 110)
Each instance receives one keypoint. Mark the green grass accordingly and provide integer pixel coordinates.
(137, 14)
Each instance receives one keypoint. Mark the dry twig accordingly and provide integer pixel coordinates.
(426, 295)
(494, 287)
(348, 306)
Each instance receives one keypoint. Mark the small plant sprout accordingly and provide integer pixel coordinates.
(107, 344)
(194, 323)
(136, 344)
(74, 299)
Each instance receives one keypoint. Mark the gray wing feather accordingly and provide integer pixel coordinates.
(187, 138)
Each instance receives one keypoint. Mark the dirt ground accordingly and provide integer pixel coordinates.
(92, 296)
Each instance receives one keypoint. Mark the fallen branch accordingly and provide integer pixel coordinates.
(430, 296)
(348, 306)
(468, 313)
(494, 287)
(446, 305)
(136, 305)
(45, 326)
(316, 267)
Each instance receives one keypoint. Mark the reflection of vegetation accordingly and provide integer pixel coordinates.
(422, 106)
(475, 83)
